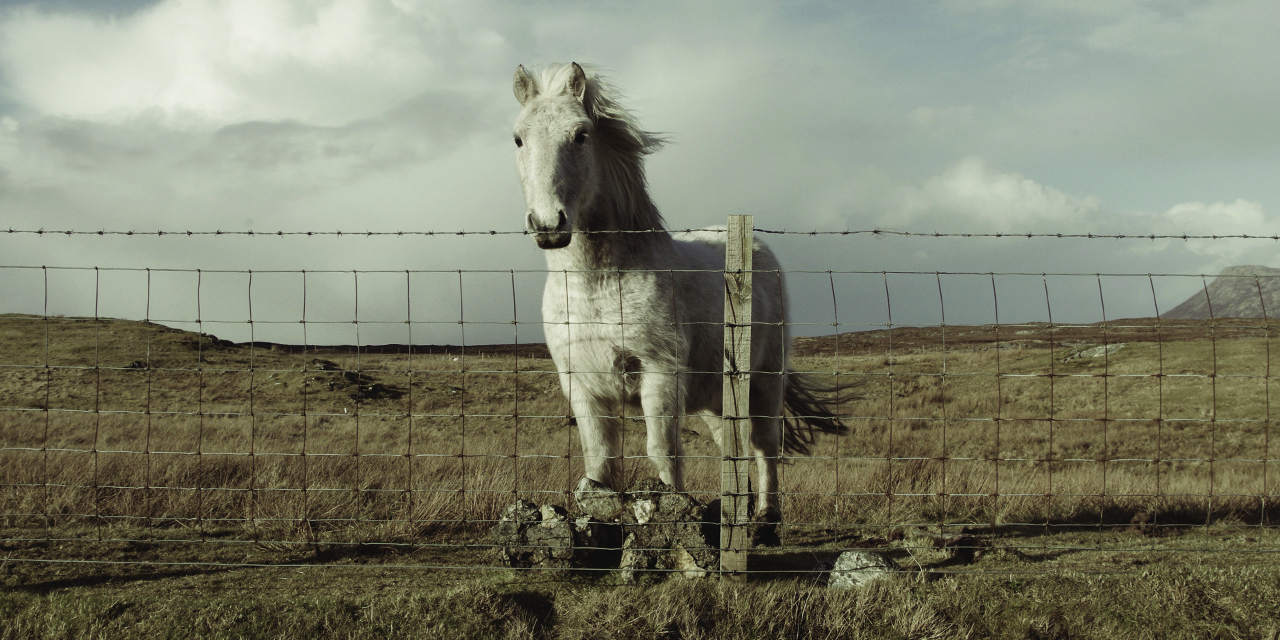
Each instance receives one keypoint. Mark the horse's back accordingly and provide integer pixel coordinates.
(703, 250)
(713, 239)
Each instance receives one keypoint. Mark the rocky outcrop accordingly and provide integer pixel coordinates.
(853, 569)
(651, 528)
(667, 531)
(1244, 291)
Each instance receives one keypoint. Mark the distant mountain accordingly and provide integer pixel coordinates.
(1238, 292)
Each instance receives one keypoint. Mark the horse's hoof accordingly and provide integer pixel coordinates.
(766, 535)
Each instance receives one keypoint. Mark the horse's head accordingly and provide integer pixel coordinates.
(555, 154)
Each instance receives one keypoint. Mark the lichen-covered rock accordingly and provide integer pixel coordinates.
(651, 528)
(551, 512)
(513, 520)
(527, 535)
(597, 501)
(853, 569)
(509, 533)
(666, 531)
(521, 511)
(550, 543)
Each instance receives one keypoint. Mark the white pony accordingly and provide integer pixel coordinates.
(633, 314)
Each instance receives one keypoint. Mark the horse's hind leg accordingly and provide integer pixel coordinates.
(766, 442)
(766, 445)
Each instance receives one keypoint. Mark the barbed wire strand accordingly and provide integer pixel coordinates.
(494, 232)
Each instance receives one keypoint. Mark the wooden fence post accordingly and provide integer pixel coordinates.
(735, 427)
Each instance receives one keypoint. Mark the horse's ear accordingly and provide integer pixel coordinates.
(524, 86)
(578, 83)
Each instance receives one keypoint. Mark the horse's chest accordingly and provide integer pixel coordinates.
(604, 329)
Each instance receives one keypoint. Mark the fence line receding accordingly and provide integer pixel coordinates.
(1002, 422)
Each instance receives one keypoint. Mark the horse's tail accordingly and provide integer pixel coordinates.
(810, 406)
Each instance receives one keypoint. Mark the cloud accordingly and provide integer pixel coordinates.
(1129, 78)
(212, 62)
(214, 113)
(981, 116)
(970, 195)
(1236, 218)
(1218, 218)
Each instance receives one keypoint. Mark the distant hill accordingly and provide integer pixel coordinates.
(1234, 294)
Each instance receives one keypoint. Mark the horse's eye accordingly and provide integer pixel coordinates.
(581, 138)
(519, 142)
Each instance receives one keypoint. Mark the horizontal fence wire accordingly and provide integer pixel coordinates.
(509, 232)
(1021, 440)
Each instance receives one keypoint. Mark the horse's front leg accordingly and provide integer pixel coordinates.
(600, 431)
(662, 400)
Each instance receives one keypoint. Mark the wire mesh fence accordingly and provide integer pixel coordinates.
(337, 420)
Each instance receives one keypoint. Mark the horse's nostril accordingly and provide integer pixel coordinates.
(563, 221)
(528, 222)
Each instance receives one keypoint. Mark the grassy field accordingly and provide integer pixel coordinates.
(1126, 495)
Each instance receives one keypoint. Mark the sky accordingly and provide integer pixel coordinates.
(1133, 117)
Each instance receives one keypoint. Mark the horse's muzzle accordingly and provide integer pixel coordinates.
(549, 237)
(552, 240)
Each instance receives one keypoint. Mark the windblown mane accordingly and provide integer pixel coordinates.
(624, 145)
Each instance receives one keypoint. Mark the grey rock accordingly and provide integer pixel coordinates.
(643, 510)
(1095, 352)
(853, 569)
(664, 530)
(652, 528)
(551, 513)
(521, 511)
(589, 534)
(512, 523)
(597, 501)
(526, 535)
(550, 544)
(688, 565)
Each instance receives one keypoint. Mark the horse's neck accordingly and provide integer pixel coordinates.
(605, 248)
(606, 253)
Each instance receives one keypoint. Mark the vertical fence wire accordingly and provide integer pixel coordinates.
(411, 513)
(253, 417)
(1266, 393)
(570, 436)
(200, 408)
(1053, 404)
(1213, 400)
(467, 499)
(97, 404)
(357, 488)
(48, 415)
(1106, 406)
(305, 388)
(515, 392)
(148, 494)
(944, 494)
(998, 419)
(835, 374)
(890, 452)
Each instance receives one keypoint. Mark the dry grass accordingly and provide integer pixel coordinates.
(407, 602)
(121, 423)
(131, 445)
